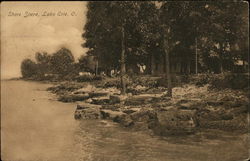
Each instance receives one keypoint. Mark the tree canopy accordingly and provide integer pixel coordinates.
(61, 63)
(220, 29)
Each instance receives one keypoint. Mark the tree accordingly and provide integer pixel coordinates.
(87, 63)
(43, 62)
(28, 68)
(62, 62)
(203, 34)
(226, 26)
(108, 32)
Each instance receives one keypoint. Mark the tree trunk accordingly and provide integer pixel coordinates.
(123, 68)
(244, 66)
(221, 60)
(188, 67)
(222, 51)
(196, 57)
(167, 65)
(221, 67)
(152, 64)
(96, 68)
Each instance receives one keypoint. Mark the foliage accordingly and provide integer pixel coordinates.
(47, 67)
(87, 63)
(62, 62)
(43, 63)
(220, 29)
(28, 68)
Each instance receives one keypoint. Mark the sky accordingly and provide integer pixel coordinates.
(30, 27)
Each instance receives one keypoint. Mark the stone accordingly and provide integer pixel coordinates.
(126, 121)
(240, 123)
(113, 115)
(139, 120)
(111, 107)
(100, 100)
(88, 100)
(130, 94)
(144, 99)
(86, 105)
(97, 94)
(239, 110)
(167, 108)
(175, 122)
(73, 97)
(215, 103)
(87, 111)
(144, 116)
(131, 110)
(117, 98)
(186, 105)
(87, 89)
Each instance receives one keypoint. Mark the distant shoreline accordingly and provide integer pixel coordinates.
(29, 80)
(8, 79)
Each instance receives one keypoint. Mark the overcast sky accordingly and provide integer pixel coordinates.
(23, 35)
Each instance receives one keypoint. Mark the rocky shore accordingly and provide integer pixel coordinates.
(191, 108)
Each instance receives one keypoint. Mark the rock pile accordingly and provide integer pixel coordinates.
(185, 113)
(190, 109)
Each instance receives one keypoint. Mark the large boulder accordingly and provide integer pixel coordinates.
(143, 99)
(126, 121)
(144, 119)
(175, 122)
(87, 111)
(113, 99)
(140, 119)
(190, 104)
(237, 123)
(73, 97)
(112, 115)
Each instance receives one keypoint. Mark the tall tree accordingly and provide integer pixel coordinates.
(226, 26)
(108, 31)
(28, 68)
(62, 62)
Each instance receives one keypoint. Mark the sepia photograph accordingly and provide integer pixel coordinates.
(125, 80)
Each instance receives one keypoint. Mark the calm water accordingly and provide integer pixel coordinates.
(35, 127)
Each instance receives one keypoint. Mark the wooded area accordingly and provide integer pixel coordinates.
(197, 36)
(156, 38)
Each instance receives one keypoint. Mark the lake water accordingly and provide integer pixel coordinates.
(36, 127)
